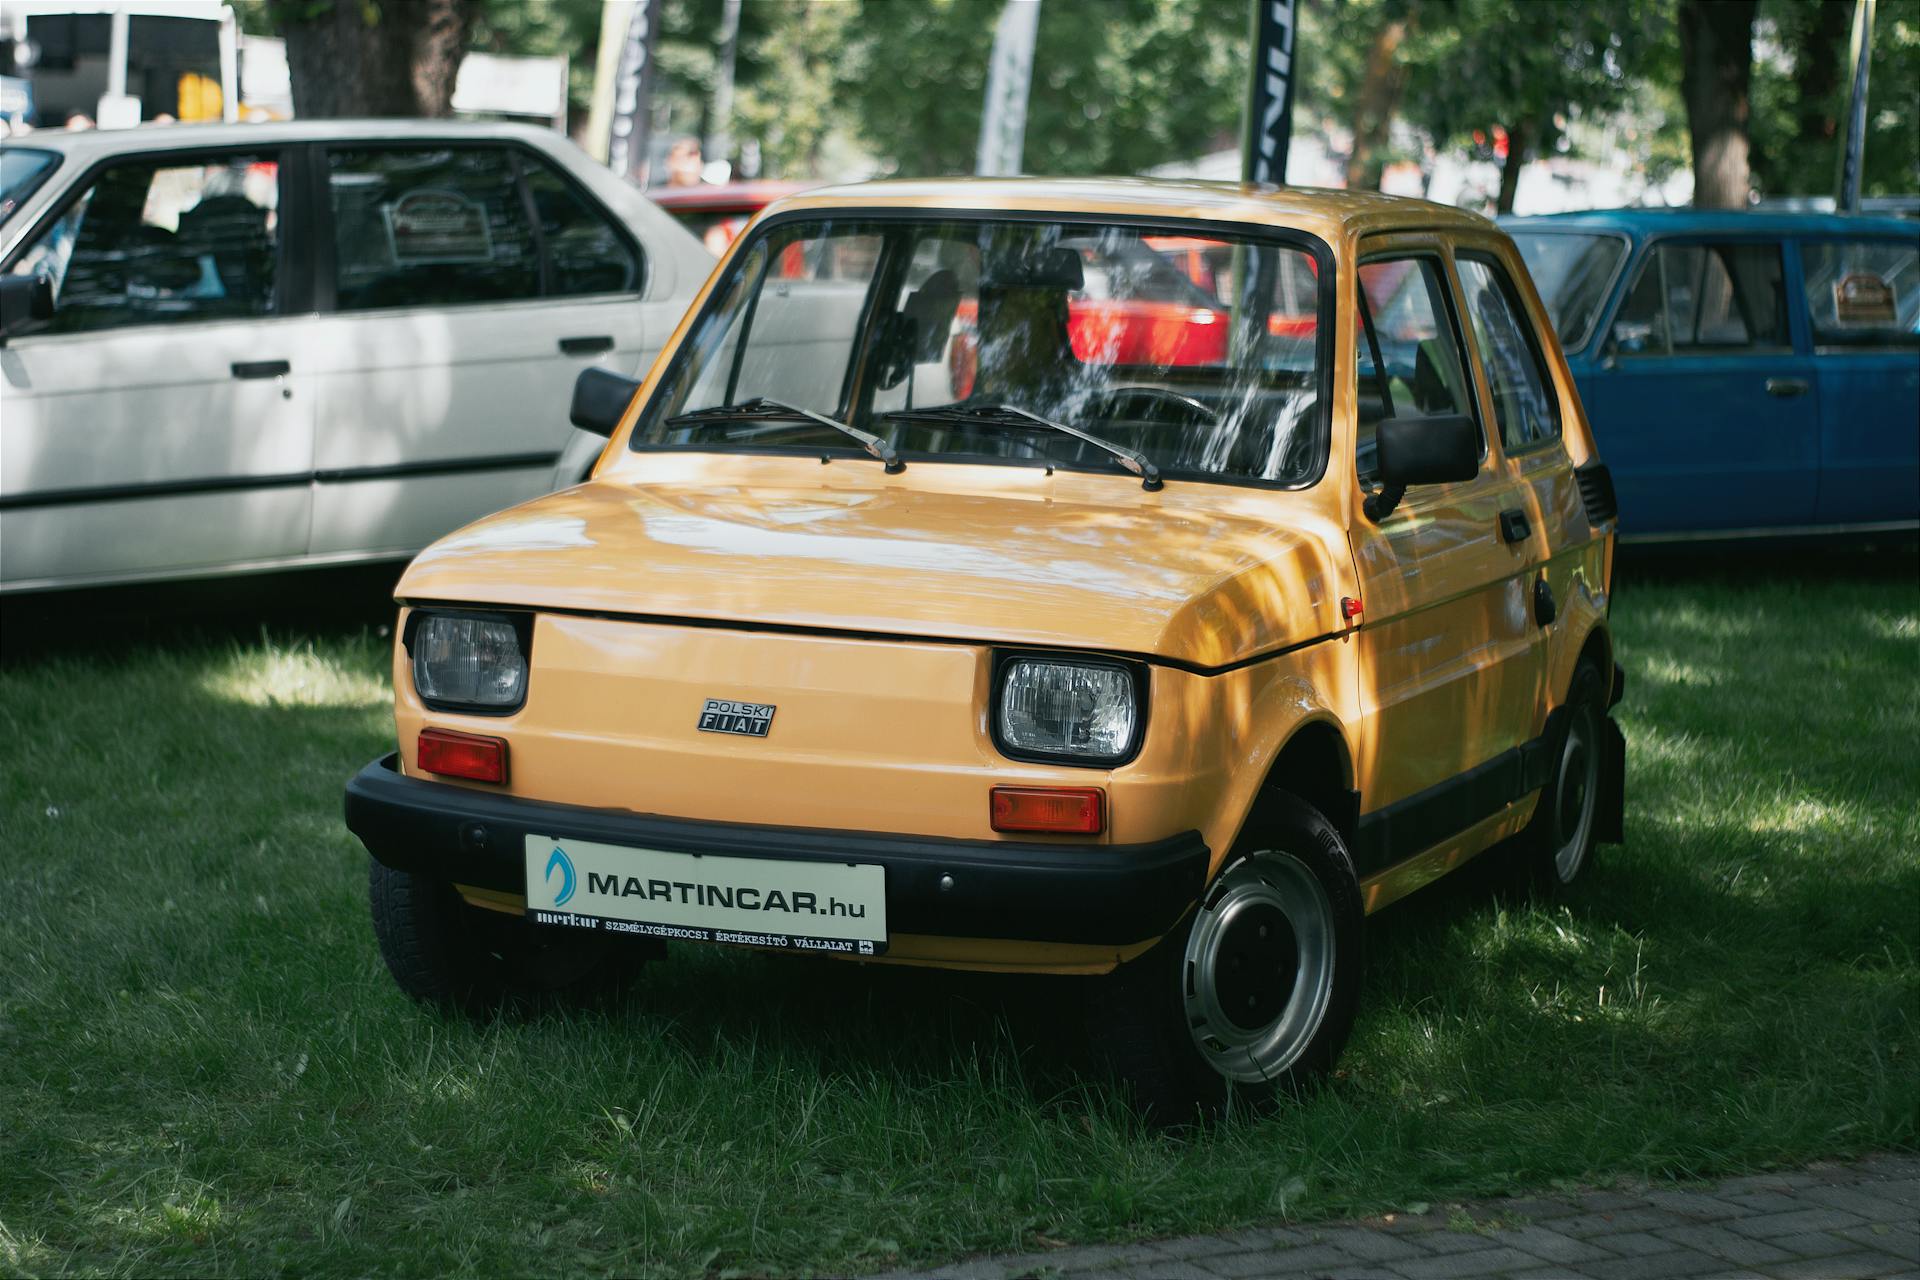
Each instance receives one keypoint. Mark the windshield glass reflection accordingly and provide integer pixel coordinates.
(947, 339)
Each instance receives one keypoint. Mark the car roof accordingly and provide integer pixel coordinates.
(86, 144)
(1332, 212)
(1713, 222)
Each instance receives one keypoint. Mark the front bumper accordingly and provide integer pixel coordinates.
(1100, 894)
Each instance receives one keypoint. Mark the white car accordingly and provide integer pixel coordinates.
(230, 348)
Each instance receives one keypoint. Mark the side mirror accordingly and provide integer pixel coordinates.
(1414, 451)
(600, 400)
(24, 301)
(1428, 450)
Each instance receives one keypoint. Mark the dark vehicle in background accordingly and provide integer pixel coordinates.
(1747, 373)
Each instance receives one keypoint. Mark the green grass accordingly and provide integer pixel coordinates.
(204, 1068)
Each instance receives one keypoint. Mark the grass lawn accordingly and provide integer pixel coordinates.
(205, 1069)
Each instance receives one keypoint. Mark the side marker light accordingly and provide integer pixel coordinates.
(1056, 810)
(463, 755)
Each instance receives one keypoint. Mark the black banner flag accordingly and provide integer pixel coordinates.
(1270, 104)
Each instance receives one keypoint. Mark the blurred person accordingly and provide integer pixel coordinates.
(684, 163)
(79, 120)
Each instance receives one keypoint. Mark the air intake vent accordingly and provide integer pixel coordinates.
(1596, 492)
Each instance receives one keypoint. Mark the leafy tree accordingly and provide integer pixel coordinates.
(1522, 69)
(792, 104)
(1353, 68)
(1118, 85)
(1800, 97)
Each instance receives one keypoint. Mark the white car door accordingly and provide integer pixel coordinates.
(160, 423)
(469, 284)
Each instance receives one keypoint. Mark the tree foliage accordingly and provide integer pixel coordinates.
(1123, 85)
(1523, 70)
(1800, 97)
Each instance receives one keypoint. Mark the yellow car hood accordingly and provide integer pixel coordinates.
(1117, 570)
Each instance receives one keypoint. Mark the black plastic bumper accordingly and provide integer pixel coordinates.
(1109, 895)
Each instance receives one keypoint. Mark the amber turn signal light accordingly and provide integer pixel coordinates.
(1080, 811)
(463, 755)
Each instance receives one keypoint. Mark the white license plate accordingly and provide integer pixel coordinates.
(804, 906)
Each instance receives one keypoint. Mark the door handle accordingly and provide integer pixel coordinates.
(1514, 526)
(586, 346)
(1786, 387)
(261, 369)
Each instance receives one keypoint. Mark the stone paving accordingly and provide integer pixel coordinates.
(1828, 1222)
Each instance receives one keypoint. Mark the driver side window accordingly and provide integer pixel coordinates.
(1410, 361)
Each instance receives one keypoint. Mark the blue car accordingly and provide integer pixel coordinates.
(1746, 373)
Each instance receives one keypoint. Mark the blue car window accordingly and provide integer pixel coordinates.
(1863, 295)
(1525, 409)
(1703, 299)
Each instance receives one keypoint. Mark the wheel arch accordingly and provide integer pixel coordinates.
(1315, 765)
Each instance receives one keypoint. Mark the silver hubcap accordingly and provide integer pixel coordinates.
(1259, 966)
(1573, 795)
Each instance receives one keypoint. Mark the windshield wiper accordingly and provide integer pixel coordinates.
(998, 415)
(767, 407)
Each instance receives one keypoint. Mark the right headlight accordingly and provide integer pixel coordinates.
(1070, 710)
(468, 662)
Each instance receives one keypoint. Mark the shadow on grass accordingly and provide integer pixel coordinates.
(108, 622)
(1894, 561)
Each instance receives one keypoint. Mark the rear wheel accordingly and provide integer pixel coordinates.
(442, 950)
(1252, 993)
(1559, 843)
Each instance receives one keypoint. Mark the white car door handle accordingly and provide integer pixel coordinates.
(261, 369)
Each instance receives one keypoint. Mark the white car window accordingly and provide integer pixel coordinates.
(160, 241)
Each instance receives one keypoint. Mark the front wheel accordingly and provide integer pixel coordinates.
(1255, 991)
(443, 951)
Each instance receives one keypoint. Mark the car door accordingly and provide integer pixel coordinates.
(1863, 306)
(466, 286)
(1516, 381)
(1704, 405)
(1448, 650)
(160, 422)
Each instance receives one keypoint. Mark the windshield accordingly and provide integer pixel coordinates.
(21, 169)
(1572, 271)
(938, 335)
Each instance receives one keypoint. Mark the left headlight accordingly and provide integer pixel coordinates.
(469, 662)
(1068, 710)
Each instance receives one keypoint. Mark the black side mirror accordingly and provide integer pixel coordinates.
(1422, 451)
(24, 300)
(600, 400)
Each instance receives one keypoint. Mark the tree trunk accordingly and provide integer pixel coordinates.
(1374, 106)
(439, 42)
(1820, 68)
(1716, 56)
(402, 62)
(1519, 140)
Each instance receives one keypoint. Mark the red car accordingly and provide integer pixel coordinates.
(717, 213)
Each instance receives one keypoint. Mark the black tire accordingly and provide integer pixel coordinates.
(1559, 843)
(1161, 1021)
(442, 951)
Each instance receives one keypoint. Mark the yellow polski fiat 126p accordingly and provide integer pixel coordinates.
(1138, 580)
